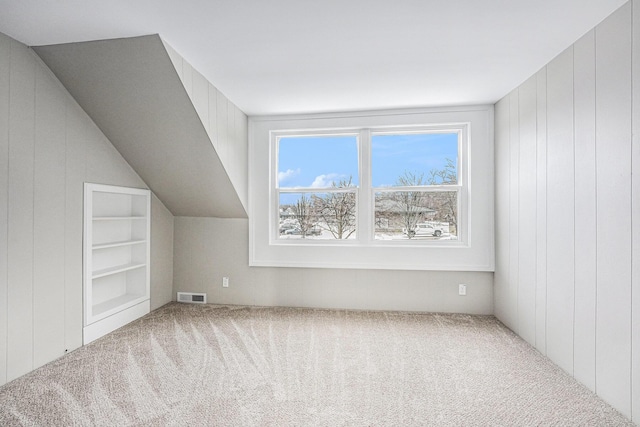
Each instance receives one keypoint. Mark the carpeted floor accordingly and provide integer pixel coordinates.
(207, 365)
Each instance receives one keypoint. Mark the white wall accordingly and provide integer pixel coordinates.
(207, 249)
(568, 213)
(224, 122)
(48, 148)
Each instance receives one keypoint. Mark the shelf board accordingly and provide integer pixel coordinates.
(116, 302)
(116, 244)
(117, 218)
(117, 269)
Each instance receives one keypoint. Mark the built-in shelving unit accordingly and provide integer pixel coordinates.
(116, 257)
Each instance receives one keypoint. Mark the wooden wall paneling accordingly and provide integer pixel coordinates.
(560, 210)
(237, 152)
(20, 212)
(5, 58)
(48, 221)
(502, 109)
(585, 210)
(231, 129)
(230, 164)
(527, 211)
(221, 126)
(541, 211)
(74, 188)
(587, 146)
(635, 215)
(514, 204)
(243, 156)
(213, 115)
(200, 98)
(239, 158)
(613, 169)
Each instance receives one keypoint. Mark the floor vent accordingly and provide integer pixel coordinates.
(192, 297)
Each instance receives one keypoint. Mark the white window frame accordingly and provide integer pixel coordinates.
(276, 190)
(462, 129)
(474, 249)
(365, 192)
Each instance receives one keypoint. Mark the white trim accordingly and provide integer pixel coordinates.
(473, 252)
(98, 329)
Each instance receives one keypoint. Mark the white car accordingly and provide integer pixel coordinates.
(428, 229)
(313, 231)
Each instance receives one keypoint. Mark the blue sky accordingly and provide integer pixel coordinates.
(317, 161)
(320, 160)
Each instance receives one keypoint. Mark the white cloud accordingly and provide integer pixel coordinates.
(323, 181)
(288, 174)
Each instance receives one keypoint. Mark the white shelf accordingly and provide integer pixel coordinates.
(116, 269)
(117, 244)
(111, 304)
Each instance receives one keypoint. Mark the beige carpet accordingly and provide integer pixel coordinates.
(195, 365)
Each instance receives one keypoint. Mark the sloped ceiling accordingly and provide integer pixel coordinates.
(130, 89)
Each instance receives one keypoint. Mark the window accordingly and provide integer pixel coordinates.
(373, 190)
(316, 186)
(414, 184)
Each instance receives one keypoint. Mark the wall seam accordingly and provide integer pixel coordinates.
(507, 274)
(6, 308)
(595, 210)
(518, 311)
(64, 249)
(518, 235)
(573, 96)
(595, 130)
(33, 215)
(546, 209)
(535, 222)
(631, 369)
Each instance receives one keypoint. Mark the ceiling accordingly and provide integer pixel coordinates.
(295, 56)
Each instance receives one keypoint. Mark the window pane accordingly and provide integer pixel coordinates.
(329, 215)
(317, 161)
(419, 215)
(409, 159)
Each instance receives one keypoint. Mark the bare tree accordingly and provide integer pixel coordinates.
(338, 210)
(302, 215)
(446, 203)
(410, 203)
(445, 176)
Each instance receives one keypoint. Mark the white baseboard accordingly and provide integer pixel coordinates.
(109, 324)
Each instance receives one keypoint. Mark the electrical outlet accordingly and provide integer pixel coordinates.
(225, 282)
(462, 289)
